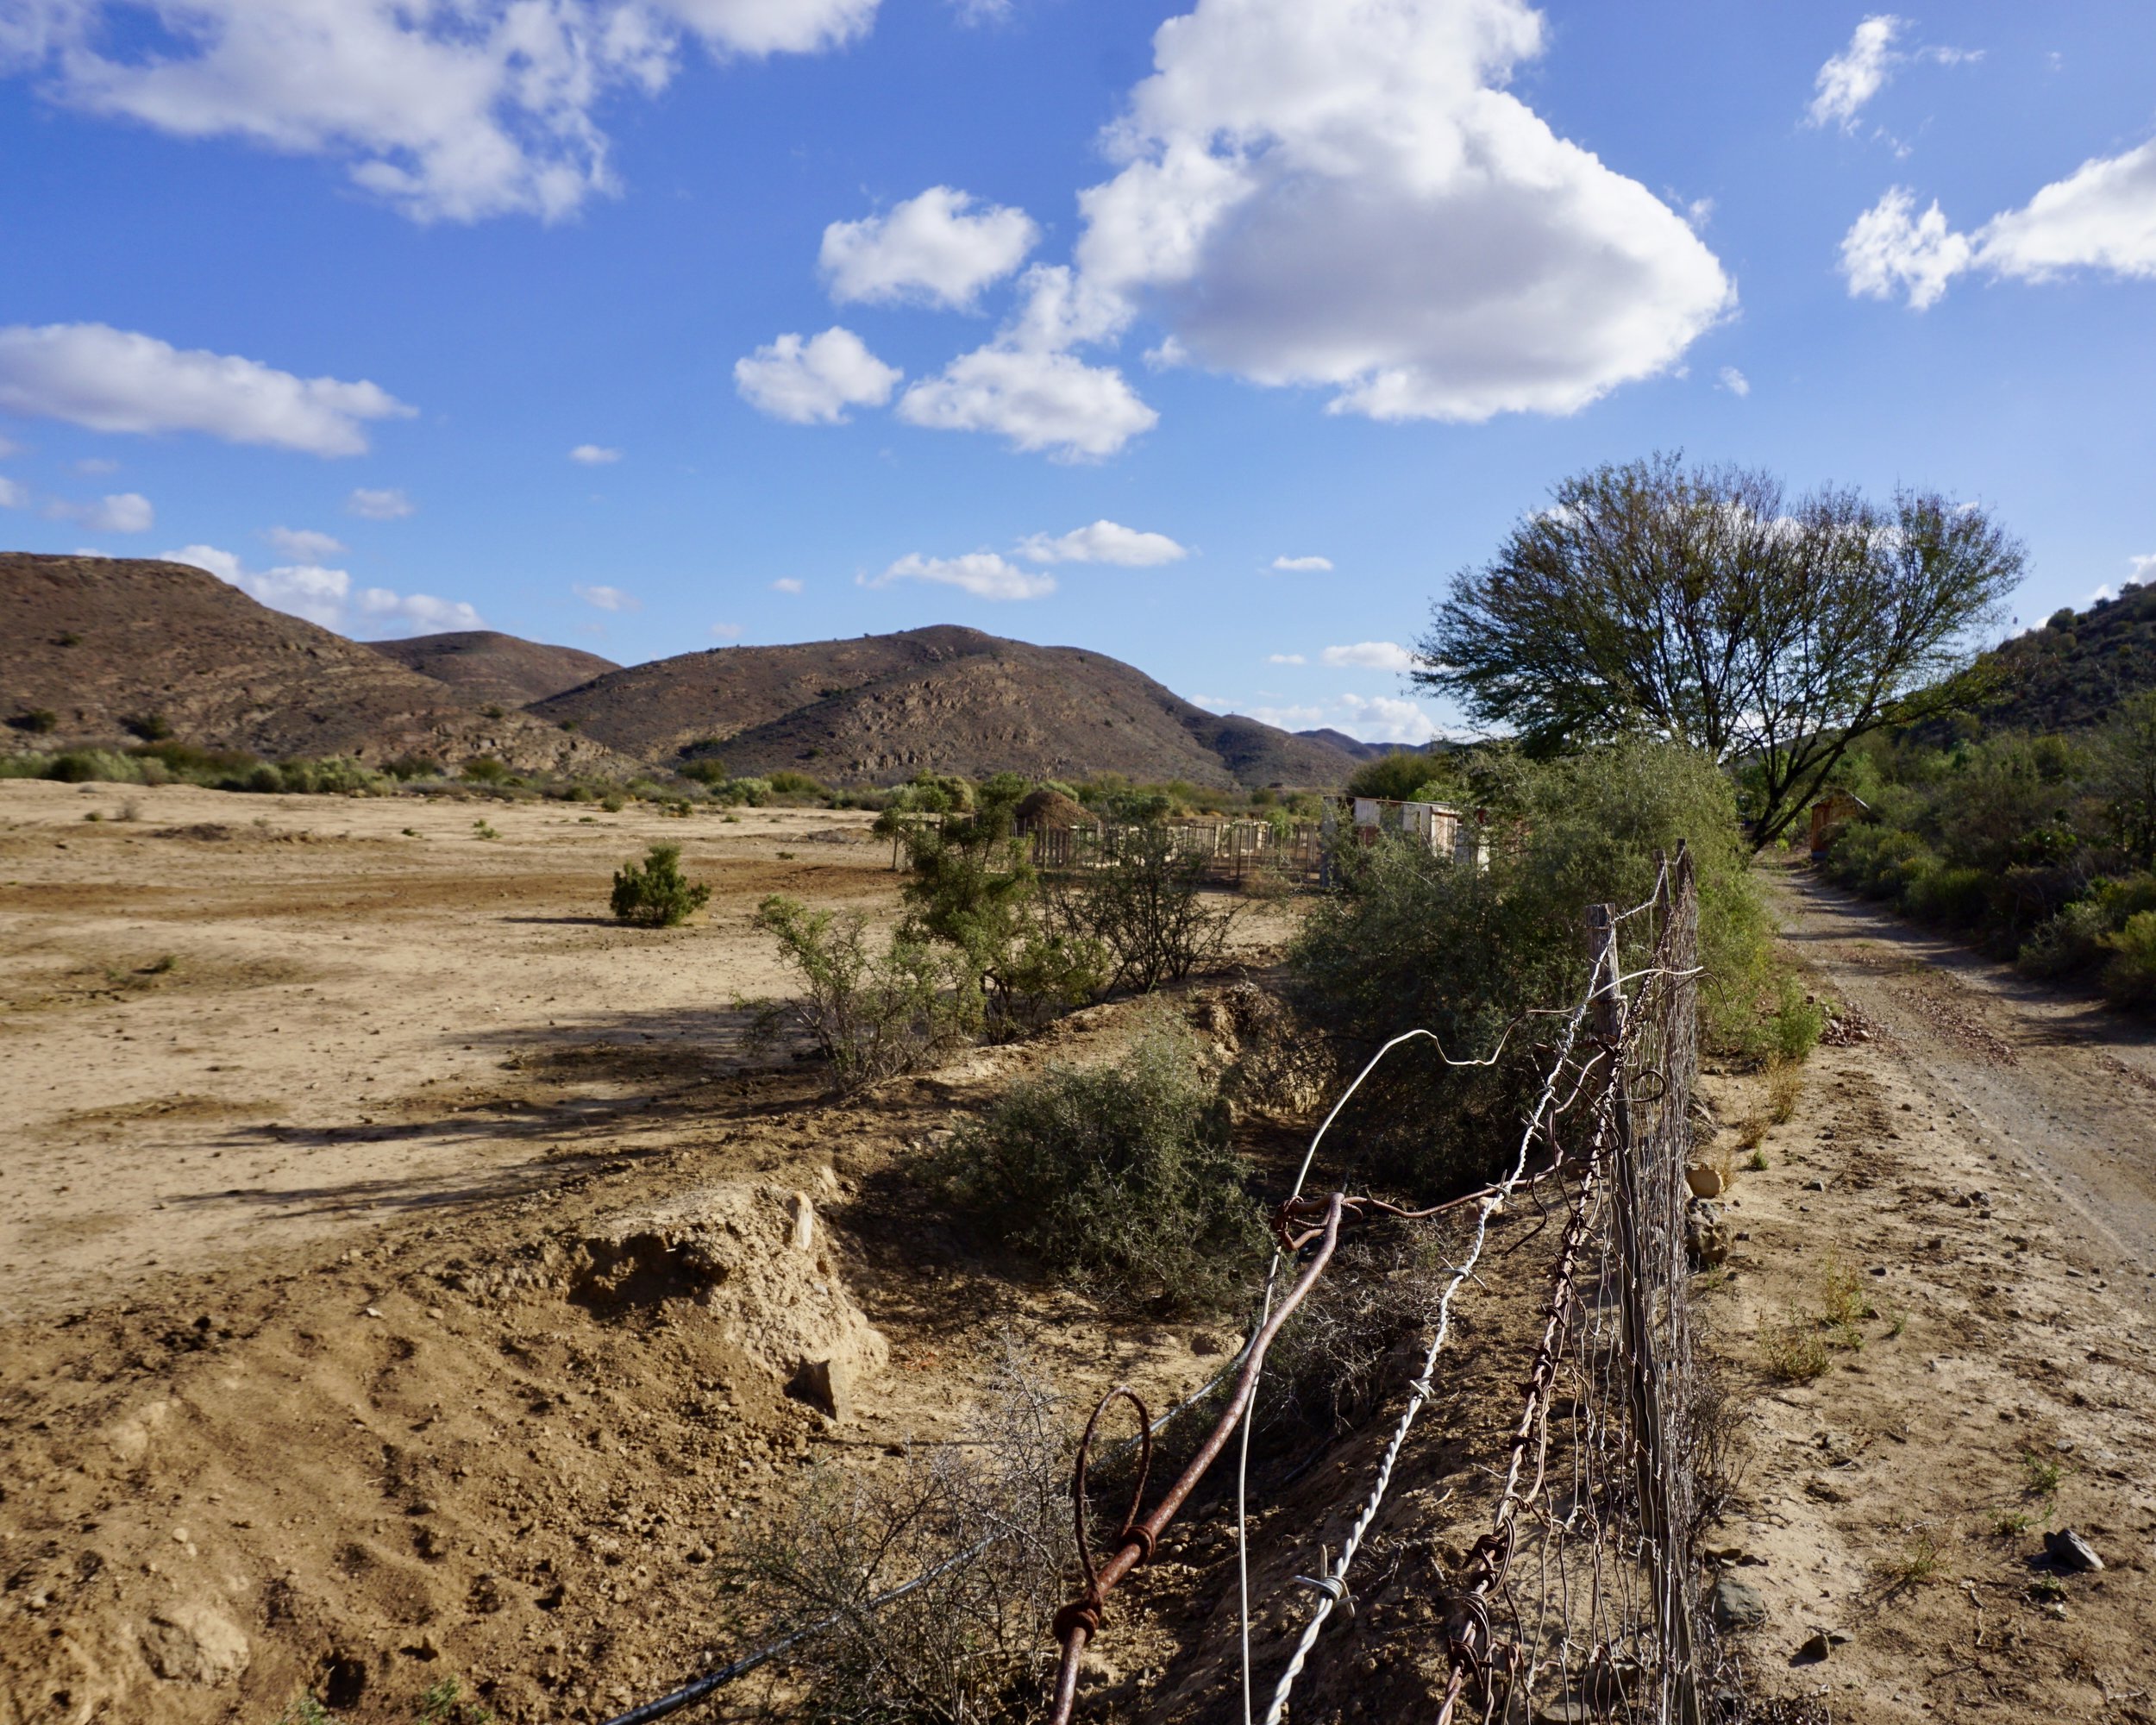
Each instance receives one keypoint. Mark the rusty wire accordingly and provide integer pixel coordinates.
(1080, 1621)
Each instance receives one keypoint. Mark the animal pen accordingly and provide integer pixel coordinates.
(1579, 1598)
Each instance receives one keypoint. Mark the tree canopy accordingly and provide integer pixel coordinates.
(1707, 607)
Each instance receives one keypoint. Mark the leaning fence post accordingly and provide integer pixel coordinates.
(1651, 1455)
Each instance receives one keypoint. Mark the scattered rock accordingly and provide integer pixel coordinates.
(1814, 1185)
(1737, 1604)
(2070, 1551)
(1822, 1642)
(825, 1383)
(194, 1644)
(1705, 1180)
(804, 1237)
(1706, 1231)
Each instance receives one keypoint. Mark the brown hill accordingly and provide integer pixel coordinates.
(486, 668)
(100, 642)
(879, 709)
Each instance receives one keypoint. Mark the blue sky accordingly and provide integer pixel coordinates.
(1134, 303)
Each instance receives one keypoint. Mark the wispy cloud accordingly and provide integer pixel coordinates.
(606, 598)
(983, 573)
(1303, 565)
(594, 456)
(380, 505)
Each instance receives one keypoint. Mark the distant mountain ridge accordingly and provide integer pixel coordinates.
(104, 644)
(878, 709)
(488, 667)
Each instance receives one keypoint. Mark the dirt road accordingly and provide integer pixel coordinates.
(1969, 1180)
(2062, 1088)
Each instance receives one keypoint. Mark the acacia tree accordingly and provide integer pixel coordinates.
(1704, 606)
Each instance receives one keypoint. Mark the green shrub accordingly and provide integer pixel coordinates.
(26, 766)
(484, 769)
(871, 1014)
(100, 766)
(656, 894)
(736, 792)
(1877, 860)
(1145, 909)
(1398, 777)
(784, 783)
(1798, 1021)
(413, 767)
(2130, 976)
(1119, 1176)
(39, 721)
(706, 771)
(1953, 896)
(150, 727)
(263, 778)
(1417, 940)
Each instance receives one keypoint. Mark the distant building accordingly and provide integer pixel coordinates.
(1830, 814)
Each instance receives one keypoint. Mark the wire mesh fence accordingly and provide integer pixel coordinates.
(1579, 1599)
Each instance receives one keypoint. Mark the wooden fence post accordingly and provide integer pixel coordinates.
(1650, 1452)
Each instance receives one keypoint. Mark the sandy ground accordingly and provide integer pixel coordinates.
(1982, 1168)
(237, 1022)
(309, 1384)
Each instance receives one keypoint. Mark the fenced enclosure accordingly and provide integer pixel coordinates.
(1231, 851)
(1579, 1598)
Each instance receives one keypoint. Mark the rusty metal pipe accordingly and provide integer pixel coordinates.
(1080, 1621)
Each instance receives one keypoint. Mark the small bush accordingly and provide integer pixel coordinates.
(1146, 908)
(656, 894)
(1798, 1021)
(736, 792)
(1793, 1350)
(94, 766)
(1121, 1176)
(1785, 1084)
(872, 1015)
(1951, 895)
(789, 784)
(151, 727)
(988, 1517)
(708, 771)
(39, 721)
(2130, 976)
(26, 766)
(484, 769)
(480, 829)
(413, 767)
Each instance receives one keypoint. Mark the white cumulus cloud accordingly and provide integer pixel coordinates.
(1304, 566)
(607, 599)
(1385, 719)
(983, 573)
(380, 505)
(304, 544)
(1105, 541)
(934, 249)
(1289, 718)
(1038, 399)
(325, 595)
(112, 379)
(1376, 655)
(1856, 74)
(124, 512)
(449, 111)
(594, 456)
(2102, 217)
(2144, 567)
(813, 381)
(1734, 381)
(1348, 196)
(788, 584)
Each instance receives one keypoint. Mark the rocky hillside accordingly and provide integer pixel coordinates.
(488, 668)
(879, 709)
(94, 650)
(2074, 670)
